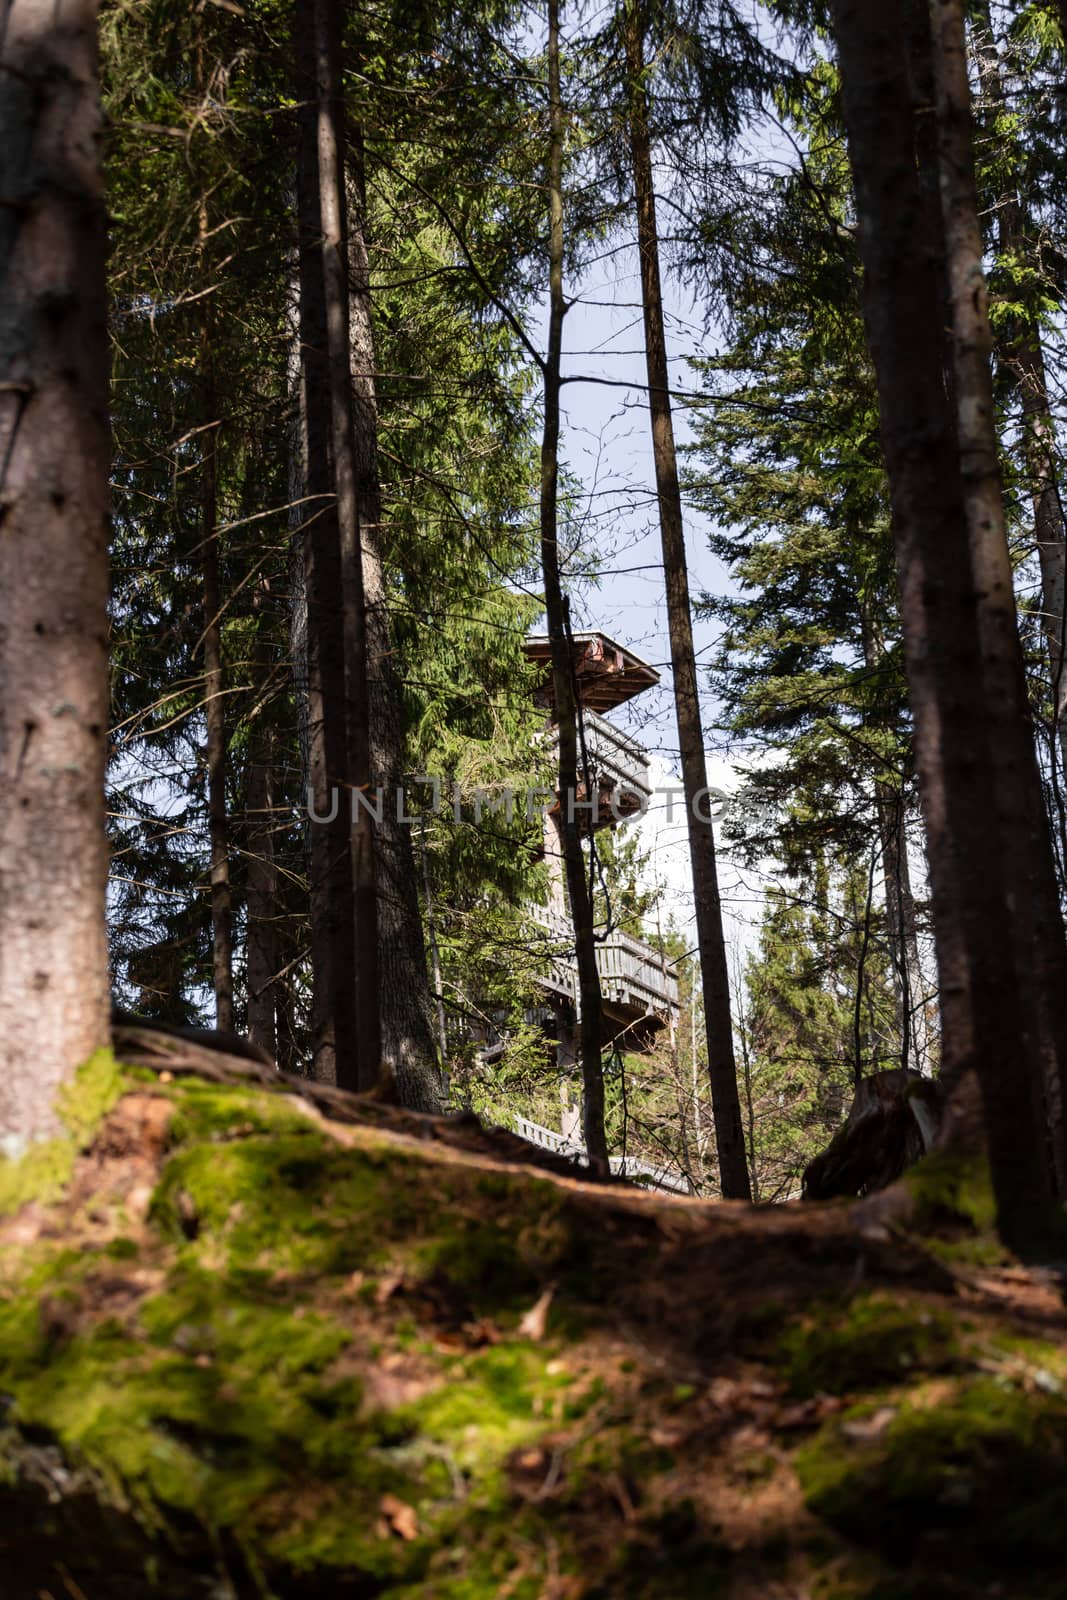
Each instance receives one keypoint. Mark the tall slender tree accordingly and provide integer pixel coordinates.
(408, 1048)
(334, 222)
(729, 1132)
(54, 513)
(984, 506)
(333, 1022)
(973, 740)
(563, 668)
(214, 680)
(261, 875)
(1020, 251)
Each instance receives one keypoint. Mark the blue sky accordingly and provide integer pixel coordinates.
(606, 443)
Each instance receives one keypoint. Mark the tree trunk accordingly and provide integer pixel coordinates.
(261, 960)
(563, 676)
(972, 735)
(214, 703)
(1039, 446)
(722, 1069)
(902, 928)
(332, 200)
(1024, 356)
(333, 1019)
(54, 509)
(901, 924)
(408, 1047)
(261, 948)
(991, 559)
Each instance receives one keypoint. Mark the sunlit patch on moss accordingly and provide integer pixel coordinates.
(84, 1103)
(42, 1174)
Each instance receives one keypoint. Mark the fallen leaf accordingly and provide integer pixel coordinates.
(534, 1323)
(481, 1332)
(865, 1430)
(399, 1516)
(387, 1287)
(802, 1415)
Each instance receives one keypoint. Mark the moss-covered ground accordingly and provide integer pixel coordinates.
(245, 1350)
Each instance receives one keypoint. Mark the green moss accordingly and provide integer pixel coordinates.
(956, 1212)
(873, 1341)
(208, 1112)
(213, 1405)
(84, 1103)
(122, 1249)
(291, 1200)
(42, 1174)
(215, 1368)
(955, 1193)
(978, 1480)
(490, 1404)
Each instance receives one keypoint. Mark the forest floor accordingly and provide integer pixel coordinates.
(249, 1348)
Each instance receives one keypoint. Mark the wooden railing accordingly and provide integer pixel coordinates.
(615, 756)
(632, 973)
(659, 1177)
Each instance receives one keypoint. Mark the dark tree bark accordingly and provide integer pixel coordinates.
(214, 684)
(974, 749)
(261, 958)
(332, 201)
(901, 921)
(333, 1020)
(901, 926)
(722, 1068)
(563, 676)
(54, 508)
(408, 1048)
(998, 625)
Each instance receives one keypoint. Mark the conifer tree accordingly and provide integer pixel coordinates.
(54, 512)
(729, 1137)
(964, 666)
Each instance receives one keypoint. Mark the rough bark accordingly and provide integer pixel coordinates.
(333, 1019)
(214, 683)
(901, 922)
(1029, 852)
(333, 204)
(902, 928)
(722, 1068)
(408, 1046)
(54, 508)
(261, 952)
(563, 677)
(972, 736)
(894, 1119)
